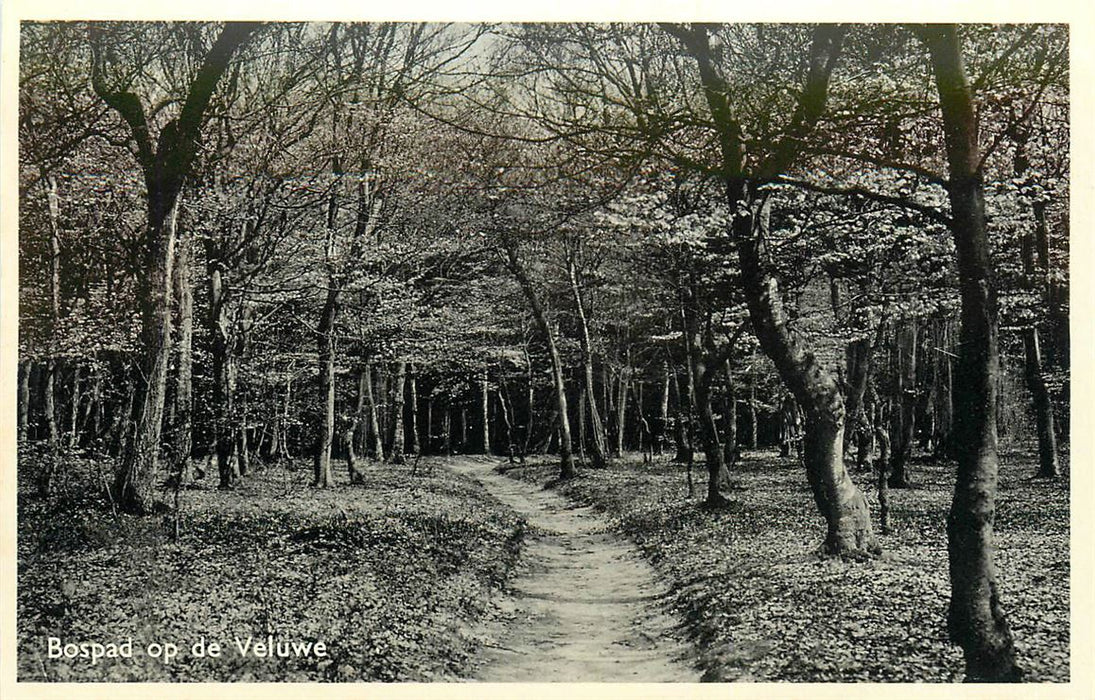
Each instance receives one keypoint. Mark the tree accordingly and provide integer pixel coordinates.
(514, 263)
(165, 167)
(976, 620)
(815, 389)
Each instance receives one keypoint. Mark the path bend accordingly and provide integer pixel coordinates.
(584, 607)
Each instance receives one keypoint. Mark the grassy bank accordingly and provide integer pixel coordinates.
(391, 575)
(761, 604)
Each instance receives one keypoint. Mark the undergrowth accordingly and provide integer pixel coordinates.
(392, 575)
(761, 604)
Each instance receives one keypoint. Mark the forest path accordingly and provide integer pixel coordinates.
(584, 607)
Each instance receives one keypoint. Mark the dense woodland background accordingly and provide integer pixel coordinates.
(245, 246)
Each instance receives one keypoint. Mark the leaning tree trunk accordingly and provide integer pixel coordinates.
(566, 456)
(976, 620)
(838, 499)
(599, 443)
(812, 385)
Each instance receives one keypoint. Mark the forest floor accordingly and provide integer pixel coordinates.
(477, 571)
(585, 605)
(761, 604)
(395, 576)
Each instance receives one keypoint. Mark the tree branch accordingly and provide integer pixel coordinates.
(901, 202)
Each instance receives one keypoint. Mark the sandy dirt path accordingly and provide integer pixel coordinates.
(585, 606)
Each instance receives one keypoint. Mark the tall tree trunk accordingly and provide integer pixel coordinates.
(1043, 406)
(680, 433)
(531, 400)
(121, 432)
(944, 408)
(356, 477)
(712, 448)
(446, 430)
(701, 377)
(285, 410)
(865, 434)
(484, 413)
(621, 405)
(184, 401)
(49, 391)
(566, 457)
(429, 444)
(507, 421)
(322, 476)
(858, 363)
(361, 430)
(412, 415)
(49, 472)
(1036, 279)
(730, 447)
(464, 428)
(582, 424)
(598, 444)
(663, 413)
(882, 467)
(243, 447)
(223, 399)
(23, 410)
(136, 479)
(396, 455)
(976, 619)
(375, 433)
(74, 408)
(93, 418)
(905, 396)
(608, 398)
(165, 166)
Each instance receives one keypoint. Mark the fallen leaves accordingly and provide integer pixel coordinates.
(384, 573)
(761, 604)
